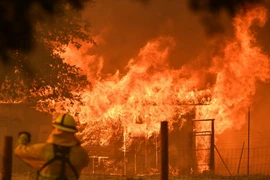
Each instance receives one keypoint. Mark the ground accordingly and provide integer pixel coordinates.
(156, 177)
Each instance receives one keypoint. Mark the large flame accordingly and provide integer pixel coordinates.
(238, 69)
(151, 91)
(242, 64)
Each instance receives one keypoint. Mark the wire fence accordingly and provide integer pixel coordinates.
(227, 162)
(237, 161)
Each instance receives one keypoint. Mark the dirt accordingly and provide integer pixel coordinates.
(155, 177)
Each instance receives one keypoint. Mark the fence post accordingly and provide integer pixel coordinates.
(164, 170)
(248, 141)
(212, 148)
(7, 158)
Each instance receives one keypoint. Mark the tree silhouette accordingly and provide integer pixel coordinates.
(18, 19)
(34, 73)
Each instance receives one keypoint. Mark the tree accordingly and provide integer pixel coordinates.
(35, 75)
(17, 22)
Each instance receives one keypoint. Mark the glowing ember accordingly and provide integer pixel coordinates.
(12, 92)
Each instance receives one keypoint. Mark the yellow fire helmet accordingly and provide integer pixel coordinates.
(65, 122)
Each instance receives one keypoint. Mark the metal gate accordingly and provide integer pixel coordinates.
(203, 146)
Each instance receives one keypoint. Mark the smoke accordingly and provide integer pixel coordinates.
(146, 2)
(126, 26)
(214, 6)
(211, 11)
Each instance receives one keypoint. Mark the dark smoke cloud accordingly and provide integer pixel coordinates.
(143, 1)
(129, 25)
(210, 11)
(214, 6)
(126, 26)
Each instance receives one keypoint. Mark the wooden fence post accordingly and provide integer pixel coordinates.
(164, 170)
(7, 158)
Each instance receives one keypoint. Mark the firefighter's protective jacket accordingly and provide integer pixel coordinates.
(37, 155)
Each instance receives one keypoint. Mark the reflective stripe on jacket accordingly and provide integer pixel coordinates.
(37, 155)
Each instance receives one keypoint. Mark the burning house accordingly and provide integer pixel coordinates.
(142, 156)
(126, 109)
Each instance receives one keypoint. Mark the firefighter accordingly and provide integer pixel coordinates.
(61, 157)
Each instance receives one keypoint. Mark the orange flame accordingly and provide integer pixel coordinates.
(151, 91)
(238, 70)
